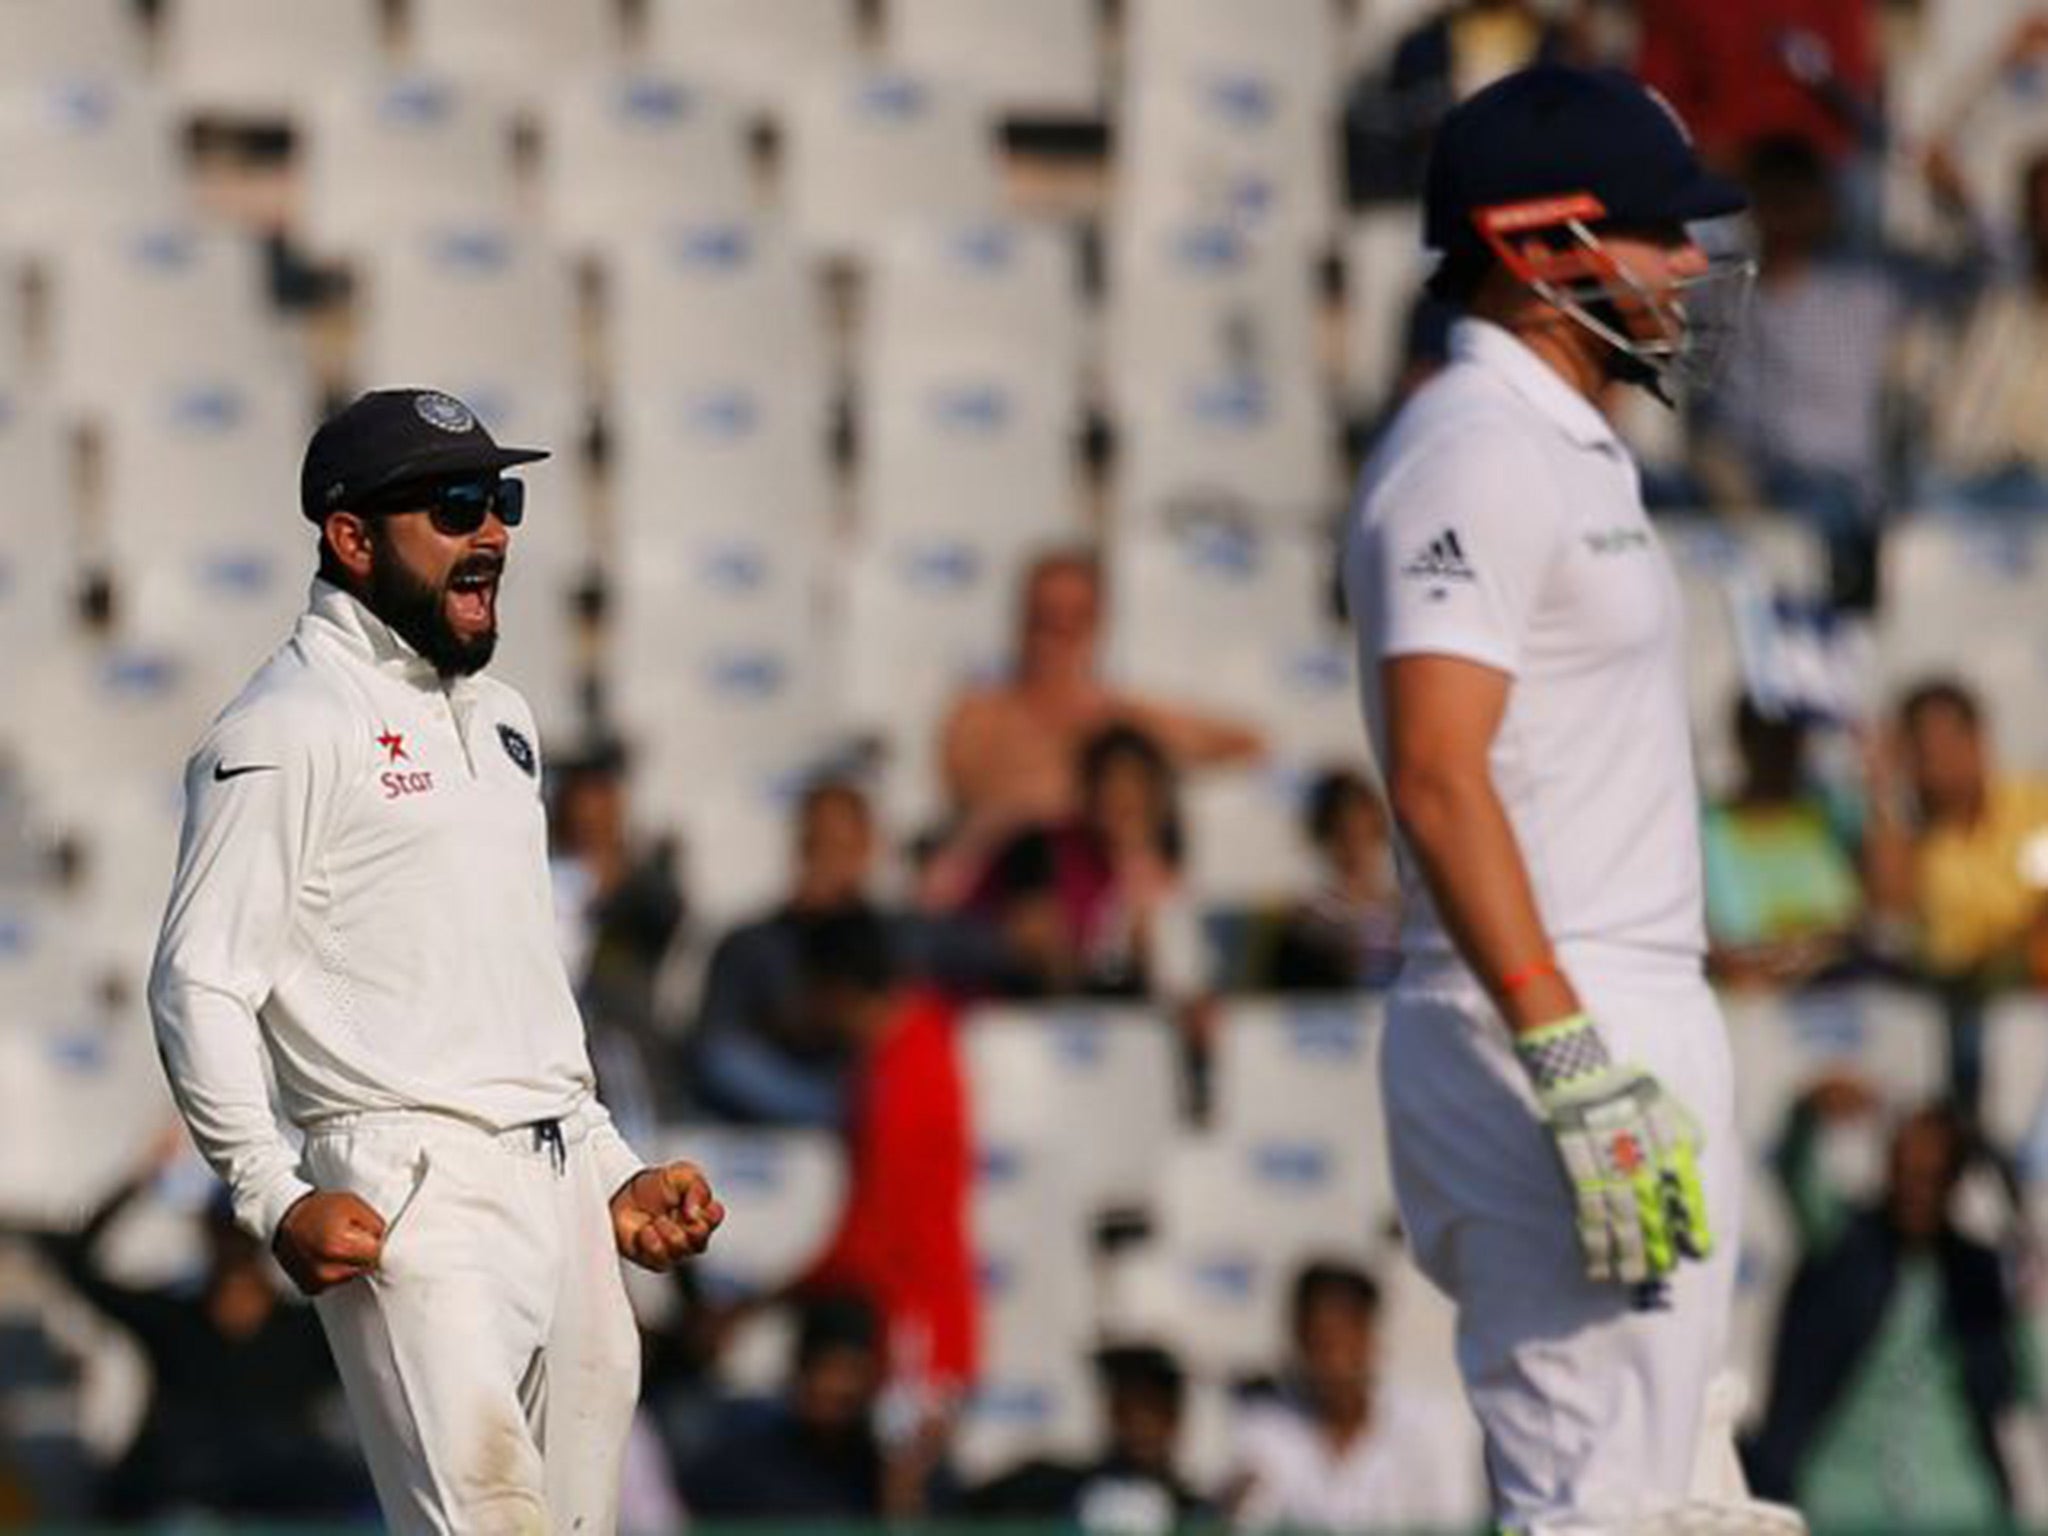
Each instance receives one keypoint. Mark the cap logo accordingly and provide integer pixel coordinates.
(443, 411)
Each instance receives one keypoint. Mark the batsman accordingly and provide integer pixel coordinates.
(1555, 1069)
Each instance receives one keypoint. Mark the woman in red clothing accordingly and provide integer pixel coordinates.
(903, 1239)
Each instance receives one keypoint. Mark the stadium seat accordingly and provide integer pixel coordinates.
(1032, 1251)
(407, 154)
(1035, 1074)
(1231, 142)
(1730, 576)
(1384, 268)
(720, 672)
(761, 50)
(984, 291)
(871, 149)
(1216, 615)
(1197, 299)
(540, 645)
(200, 515)
(516, 49)
(1046, 1409)
(721, 302)
(1245, 845)
(1037, 61)
(1307, 1072)
(783, 1191)
(1234, 447)
(625, 156)
(38, 537)
(43, 42)
(80, 159)
(2014, 1109)
(1962, 598)
(720, 455)
(255, 59)
(136, 312)
(1295, 41)
(970, 452)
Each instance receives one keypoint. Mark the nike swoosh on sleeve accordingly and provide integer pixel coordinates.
(222, 773)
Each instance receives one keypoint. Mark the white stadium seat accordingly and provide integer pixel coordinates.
(515, 48)
(1045, 1409)
(1231, 446)
(979, 290)
(1294, 40)
(137, 311)
(964, 450)
(38, 538)
(626, 155)
(255, 59)
(1384, 269)
(1963, 598)
(1040, 60)
(762, 50)
(403, 155)
(200, 516)
(1244, 836)
(47, 41)
(721, 301)
(83, 158)
(1229, 142)
(872, 149)
(1033, 1074)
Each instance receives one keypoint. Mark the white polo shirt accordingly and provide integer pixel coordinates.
(1501, 521)
(363, 898)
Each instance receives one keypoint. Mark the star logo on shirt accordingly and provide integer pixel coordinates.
(394, 746)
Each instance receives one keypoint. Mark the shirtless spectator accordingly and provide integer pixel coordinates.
(1010, 752)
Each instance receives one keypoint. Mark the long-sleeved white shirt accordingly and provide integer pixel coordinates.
(362, 894)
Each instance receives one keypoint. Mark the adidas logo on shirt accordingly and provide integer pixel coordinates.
(1441, 560)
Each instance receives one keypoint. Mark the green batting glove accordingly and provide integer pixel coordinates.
(1629, 1148)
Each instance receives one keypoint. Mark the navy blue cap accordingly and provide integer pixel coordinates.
(1553, 131)
(392, 438)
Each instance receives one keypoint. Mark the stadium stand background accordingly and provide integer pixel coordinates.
(837, 314)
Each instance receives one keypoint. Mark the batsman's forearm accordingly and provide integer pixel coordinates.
(1459, 833)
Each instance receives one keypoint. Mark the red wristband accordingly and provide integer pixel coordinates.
(1528, 975)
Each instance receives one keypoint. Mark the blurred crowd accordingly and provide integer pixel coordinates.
(1894, 366)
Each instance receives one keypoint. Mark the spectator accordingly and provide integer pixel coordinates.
(239, 1381)
(1094, 904)
(814, 1453)
(902, 1239)
(1799, 424)
(1010, 753)
(757, 1057)
(1133, 1488)
(1783, 899)
(1986, 384)
(1342, 1449)
(1897, 1346)
(619, 908)
(1741, 71)
(1348, 934)
(1957, 855)
(1390, 115)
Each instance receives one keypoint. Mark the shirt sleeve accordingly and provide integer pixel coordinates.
(256, 800)
(1451, 551)
(616, 1159)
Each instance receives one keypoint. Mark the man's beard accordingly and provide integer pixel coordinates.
(416, 609)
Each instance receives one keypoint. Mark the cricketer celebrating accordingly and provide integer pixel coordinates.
(362, 911)
(1556, 1075)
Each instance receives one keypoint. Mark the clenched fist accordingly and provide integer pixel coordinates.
(665, 1214)
(326, 1238)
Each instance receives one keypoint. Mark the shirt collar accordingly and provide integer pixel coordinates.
(344, 619)
(1498, 351)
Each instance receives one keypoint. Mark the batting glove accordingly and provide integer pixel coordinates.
(1629, 1148)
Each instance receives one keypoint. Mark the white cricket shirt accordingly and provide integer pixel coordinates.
(362, 894)
(1501, 520)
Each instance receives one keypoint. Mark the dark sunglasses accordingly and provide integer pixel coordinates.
(457, 508)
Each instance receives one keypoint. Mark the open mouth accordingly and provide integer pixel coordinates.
(473, 596)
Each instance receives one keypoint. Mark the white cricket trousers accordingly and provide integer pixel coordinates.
(491, 1362)
(1591, 1402)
